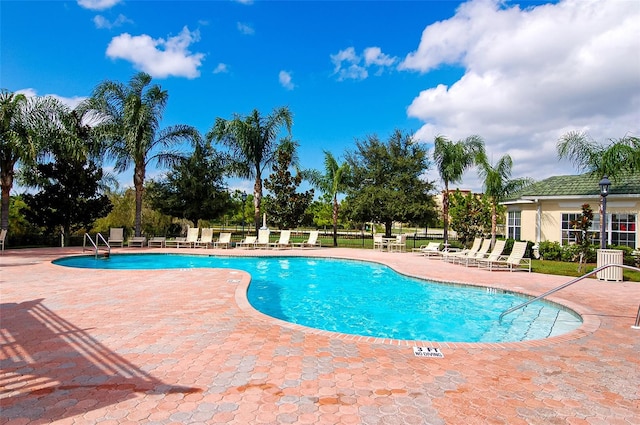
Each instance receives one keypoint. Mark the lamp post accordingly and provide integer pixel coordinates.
(604, 191)
(244, 207)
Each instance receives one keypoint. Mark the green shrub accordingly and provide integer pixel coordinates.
(627, 254)
(571, 253)
(550, 250)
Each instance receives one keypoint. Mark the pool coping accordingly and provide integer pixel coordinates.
(590, 321)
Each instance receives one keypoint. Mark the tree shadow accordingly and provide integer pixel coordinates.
(50, 369)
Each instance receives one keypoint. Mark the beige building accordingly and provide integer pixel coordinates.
(544, 210)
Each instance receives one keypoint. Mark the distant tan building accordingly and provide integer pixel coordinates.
(544, 210)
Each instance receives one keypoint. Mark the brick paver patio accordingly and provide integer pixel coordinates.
(184, 346)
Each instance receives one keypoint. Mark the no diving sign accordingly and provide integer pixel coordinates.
(428, 352)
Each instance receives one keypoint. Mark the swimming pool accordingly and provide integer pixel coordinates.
(369, 299)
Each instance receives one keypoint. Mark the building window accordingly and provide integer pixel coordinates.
(513, 225)
(623, 230)
(570, 235)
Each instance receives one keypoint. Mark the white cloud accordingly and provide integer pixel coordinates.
(102, 22)
(374, 56)
(71, 102)
(285, 80)
(98, 4)
(245, 29)
(530, 76)
(221, 68)
(247, 2)
(348, 65)
(158, 57)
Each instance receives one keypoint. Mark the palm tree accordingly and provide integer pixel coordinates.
(332, 182)
(498, 185)
(25, 126)
(619, 156)
(128, 118)
(452, 160)
(252, 140)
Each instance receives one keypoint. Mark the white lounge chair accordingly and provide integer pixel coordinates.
(312, 242)
(495, 254)
(283, 242)
(3, 236)
(206, 238)
(432, 249)
(224, 241)
(137, 241)
(514, 262)
(192, 237)
(249, 242)
(156, 242)
(452, 255)
(470, 257)
(176, 242)
(116, 236)
(263, 239)
(189, 241)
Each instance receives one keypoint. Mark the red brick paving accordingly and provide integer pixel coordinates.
(184, 346)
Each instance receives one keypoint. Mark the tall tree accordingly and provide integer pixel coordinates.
(452, 159)
(613, 159)
(498, 185)
(70, 181)
(332, 183)
(68, 197)
(194, 189)
(286, 206)
(387, 181)
(470, 215)
(128, 119)
(25, 126)
(253, 145)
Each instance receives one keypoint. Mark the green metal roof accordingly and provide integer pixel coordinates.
(580, 185)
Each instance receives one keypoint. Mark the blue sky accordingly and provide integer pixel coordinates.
(519, 74)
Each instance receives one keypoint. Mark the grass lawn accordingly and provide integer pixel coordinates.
(571, 269)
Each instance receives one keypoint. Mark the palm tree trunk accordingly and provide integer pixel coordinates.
(138, 183)
(257, 200)
(335, 220)
(445, 213)
(494, 223)
(7, 183)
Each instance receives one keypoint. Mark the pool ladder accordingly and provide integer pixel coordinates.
(96, 246)
(571, 282)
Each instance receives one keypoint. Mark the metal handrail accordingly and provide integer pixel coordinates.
(84, 242)
(96, 244)
(571, 282)
(99, 236)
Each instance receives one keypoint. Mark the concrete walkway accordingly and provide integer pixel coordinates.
(184, 346)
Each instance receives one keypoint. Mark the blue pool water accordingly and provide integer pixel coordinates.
(367, 299)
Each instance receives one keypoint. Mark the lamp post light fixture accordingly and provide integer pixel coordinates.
(244, 207)
(604, 191)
